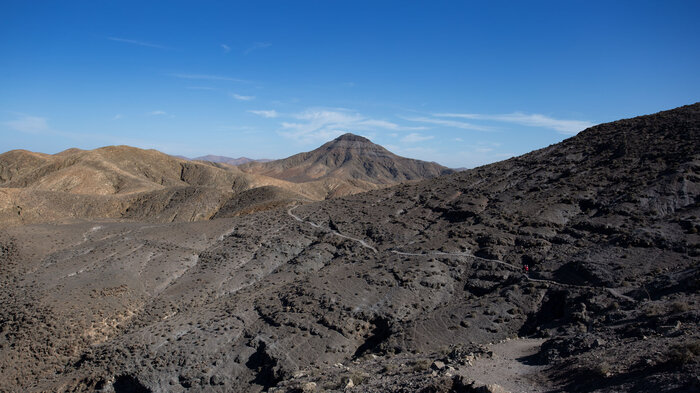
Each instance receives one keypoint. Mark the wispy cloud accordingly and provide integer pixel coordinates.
(387, 125)
(201, 88)
(268, 114)
(242, 98)
(419, 152)
(531, 120)
(117, 116)
(226, 48)
(415, 137)
(28, 124)
(321, 124)
(158, 113)
(41, 126)
(137, 42)
(209, 77)
(256, 46)
(449, 123)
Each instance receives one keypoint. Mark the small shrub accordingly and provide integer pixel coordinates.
(679, 307)
(389, 368)
(358, 378)
(603, 369)
(682, 354)
(421, 365)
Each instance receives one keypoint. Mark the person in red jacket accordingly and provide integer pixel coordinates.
(526, 268)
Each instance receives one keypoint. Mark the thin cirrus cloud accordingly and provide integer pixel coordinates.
(531, 120)
(448, 123)
(209, 77)
(321, 124)
(137, 42)
(265, 113)
(256, 46)
(226, 48)
(416, 137)
(241, 97)
(207, 88)
(28, 124)
(158, 113)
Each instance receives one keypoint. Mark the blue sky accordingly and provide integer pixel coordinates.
(461, 83)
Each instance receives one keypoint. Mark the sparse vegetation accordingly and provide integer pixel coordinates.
(278, 299)
(682, 354)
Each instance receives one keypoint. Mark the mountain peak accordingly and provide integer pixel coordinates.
(352, 138)
(348, 157)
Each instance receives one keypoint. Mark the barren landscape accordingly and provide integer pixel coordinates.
(127, 183)
(154, 274)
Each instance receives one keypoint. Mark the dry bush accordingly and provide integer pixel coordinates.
(682, 354)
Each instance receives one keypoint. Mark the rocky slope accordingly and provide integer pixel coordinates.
(348, 157)
(121, 182)
(416, 287)
(126, 183)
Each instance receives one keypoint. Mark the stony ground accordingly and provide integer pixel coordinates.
(417, 287)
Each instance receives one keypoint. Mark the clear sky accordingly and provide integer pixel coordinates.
(461, 83)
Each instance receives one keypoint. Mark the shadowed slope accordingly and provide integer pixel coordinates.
(377, 286)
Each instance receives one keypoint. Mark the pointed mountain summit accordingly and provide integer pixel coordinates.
(606, 221)
(352, 157)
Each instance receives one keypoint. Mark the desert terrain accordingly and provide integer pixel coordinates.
(156, 283)
(130, 184)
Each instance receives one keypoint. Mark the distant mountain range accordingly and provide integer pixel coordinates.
(224, 159)
(123, 182)
(419, 287)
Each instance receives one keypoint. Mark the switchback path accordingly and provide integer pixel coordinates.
(612, 291)
(362, 242)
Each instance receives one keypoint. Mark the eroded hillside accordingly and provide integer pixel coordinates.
(129, 184)
(399, 289)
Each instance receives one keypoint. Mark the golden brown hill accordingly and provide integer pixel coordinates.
(418, 287)
(127, 183)
(114, 170)
(350, 158)
(122, 182)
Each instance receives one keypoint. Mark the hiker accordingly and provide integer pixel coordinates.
(526, 268)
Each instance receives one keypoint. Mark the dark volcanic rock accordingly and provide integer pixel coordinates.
(365, 293)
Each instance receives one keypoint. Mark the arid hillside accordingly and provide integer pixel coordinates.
(126, 183)
(416, 287)
(120, 182)
(348, 157)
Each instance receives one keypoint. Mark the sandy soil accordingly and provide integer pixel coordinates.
(511, 366)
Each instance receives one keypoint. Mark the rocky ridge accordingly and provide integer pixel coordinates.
(348, 157)
(416, 287)
(126, 183)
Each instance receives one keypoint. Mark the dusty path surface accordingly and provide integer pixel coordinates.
(509, 367)
(612, 291)
(297, 218)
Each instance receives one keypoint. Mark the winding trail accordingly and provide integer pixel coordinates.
(612, 291)
(360, 241)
